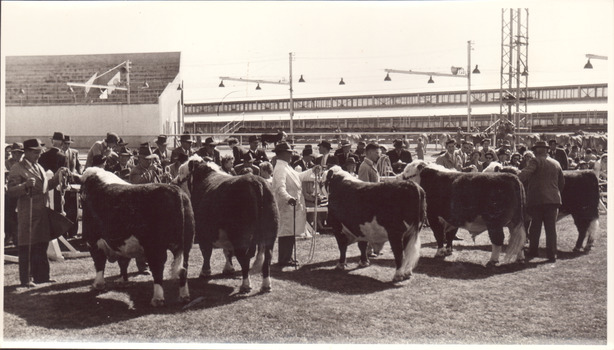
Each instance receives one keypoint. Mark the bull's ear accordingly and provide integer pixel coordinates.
(329, 175)
(421, 166)
(497, 169)
(191, 165)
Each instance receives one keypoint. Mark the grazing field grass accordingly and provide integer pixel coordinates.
(456, 300)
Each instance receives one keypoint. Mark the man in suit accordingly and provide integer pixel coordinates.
(237, 151)
(345, 153)
(185, 147)
(53, 159)
(306, 161)
(70, 197)
(326, 160)
(10, 204)
(367, 171)
(208, 150)
(162, 152)
(287, 189)
(544, 179)
(259, 154)
(28, 183)
(399, 157)
(248, 163)
(104, 147)
(558, 154)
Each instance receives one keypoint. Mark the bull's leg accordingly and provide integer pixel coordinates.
(396, 243)
(450, 235)
(257, 265)
(243, 259)
(266, 269)
(123, 264)
(156, 259)
(496, 239)
(342, 243)
(364, 259)
(228, 268)
(582, 226)
(206, 248)
(437, 228)
(100, 261)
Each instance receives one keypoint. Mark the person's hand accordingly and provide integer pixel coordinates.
(30, 183)
(292, 202)
(317, 169)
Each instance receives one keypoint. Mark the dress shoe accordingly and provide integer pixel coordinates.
(552, 259)
(28, 285)
(46, 281)
(291, 263)
(145, 272)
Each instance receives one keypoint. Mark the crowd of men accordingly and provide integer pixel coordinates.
(33, 170)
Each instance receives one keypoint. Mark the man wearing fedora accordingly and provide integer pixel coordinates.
(306, 161)
(558, 154)
(248, 163)
(145, 172)
(28, 183)
(104, 147)
(290, 202)
(162, 152)
(10, 204)
(125, 165)
(325, 160)
(185, 147)
(259, 154)
(70, 197)
(345, 153)
(544, 181)
(399, 157)
(53, 159)
(208, 150)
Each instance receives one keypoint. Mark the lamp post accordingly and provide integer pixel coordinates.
(257, 81)
(457, 72)
(588, 64)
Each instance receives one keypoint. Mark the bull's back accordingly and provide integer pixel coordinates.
(580, 195)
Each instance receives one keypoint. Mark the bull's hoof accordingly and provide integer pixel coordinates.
(341, 266)
(184, 299)
(588, 248)
(440, 253)
(157, 302)
(492, 263)
(205, 273)
(266, 289)
(245, 290)
(364, 264)
(227, 272)
(448, 252)
(577, 250)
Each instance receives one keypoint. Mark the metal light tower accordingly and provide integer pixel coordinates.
(514, 62)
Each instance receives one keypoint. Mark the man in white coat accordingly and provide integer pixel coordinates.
(288, 195)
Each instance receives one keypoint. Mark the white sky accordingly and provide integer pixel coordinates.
(353, 40)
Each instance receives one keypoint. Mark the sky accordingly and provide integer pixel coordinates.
(329, 40)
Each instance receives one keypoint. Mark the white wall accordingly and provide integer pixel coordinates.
(170, 108)
(85, 123)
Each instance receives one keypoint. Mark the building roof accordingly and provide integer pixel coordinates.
(42, 80)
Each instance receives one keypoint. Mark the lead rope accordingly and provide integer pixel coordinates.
(312, 248)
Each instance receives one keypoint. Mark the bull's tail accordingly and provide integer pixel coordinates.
(177, 264)
(257, 266)
(518, 233)
(590, 234)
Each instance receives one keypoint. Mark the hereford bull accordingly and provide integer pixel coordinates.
(375, 213)
(236, 213)
(121, 220)
(473, 201)
(579, 198)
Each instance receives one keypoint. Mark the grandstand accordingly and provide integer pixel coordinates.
(39, 100)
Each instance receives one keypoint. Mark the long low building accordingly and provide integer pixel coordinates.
(551, 106)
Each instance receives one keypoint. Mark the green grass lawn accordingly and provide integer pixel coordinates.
(456, 300)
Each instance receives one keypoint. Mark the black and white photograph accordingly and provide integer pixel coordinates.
(305, 174)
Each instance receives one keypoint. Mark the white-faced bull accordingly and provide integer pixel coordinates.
(236, 213)
(473, 201)
(123, 221)
(375, 213)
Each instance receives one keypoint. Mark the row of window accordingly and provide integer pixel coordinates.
(459, 97)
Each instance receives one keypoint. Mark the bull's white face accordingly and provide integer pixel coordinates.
(184, 172)
(412, 171)
(104, 176)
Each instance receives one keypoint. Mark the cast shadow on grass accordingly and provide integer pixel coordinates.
(74, 306)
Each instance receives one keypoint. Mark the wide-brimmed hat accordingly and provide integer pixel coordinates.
(484, 140)
(540, 144)
(397, 143)
(503, 151)
(112, 137)
(145, 151)
(345, 143)
(68, 139)
(58, 136)
(33, 144)
(253, 138)
(186, 138)
(209, 142)
(506, 143)
(125, 151)
(121, 142)
(161, 140)
(17, 147)
(307, 151)
(282, 147)
(450, 141)
(325, 144)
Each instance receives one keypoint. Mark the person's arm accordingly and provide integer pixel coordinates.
(264, 156)
(526, 173)
(279, 186)
(561, 181)
(145, 177)
(305, 174)
(16, 186)
(363, 173)
(77, 162)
